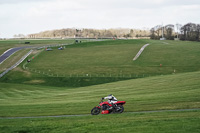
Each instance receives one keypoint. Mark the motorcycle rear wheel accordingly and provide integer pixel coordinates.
(95, 111)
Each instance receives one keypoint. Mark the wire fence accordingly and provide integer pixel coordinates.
(111, 75)
(54, 45)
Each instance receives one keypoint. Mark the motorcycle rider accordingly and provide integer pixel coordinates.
(111, 100)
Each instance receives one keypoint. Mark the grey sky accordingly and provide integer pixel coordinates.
(32, 16)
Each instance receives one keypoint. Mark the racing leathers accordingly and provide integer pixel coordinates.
(111, 99)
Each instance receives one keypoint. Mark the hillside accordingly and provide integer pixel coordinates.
(178, 91)
(92, 63)
(143, 84)
(115, 58)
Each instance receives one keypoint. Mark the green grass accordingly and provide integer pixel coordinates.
(7, 44)
(115, 57)
(167, 122)
(19, 73)
(89, 58)
(178, 91)
(93, 63)
(28, 93)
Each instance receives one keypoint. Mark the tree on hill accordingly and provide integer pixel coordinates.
(91, 33)
(168, 32)
(190, 31)
(156, 32)
(19, 35)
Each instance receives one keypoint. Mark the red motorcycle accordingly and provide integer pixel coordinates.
(106, 108)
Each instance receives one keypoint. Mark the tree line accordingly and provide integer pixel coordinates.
(189, 31)
(92, 33)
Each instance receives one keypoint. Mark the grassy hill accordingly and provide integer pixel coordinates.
(115, 58)
(178, 91)
(92, 63)
(83, 73)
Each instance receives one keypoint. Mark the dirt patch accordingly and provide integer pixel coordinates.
(35, 81)
(36, 52)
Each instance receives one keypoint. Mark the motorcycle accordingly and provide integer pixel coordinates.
(106, 108)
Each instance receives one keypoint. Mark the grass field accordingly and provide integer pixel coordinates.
(179, 91)
(7, 44)
(115, 57)
(168, 122)
(29, 93)
(153, 93)
(94, 63)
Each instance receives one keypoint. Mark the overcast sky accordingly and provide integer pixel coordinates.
(33, 16)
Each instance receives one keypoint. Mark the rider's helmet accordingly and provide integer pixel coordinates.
(110, 95)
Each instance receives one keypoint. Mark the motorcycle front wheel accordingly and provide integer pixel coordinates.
(95, 111)
(119, 109)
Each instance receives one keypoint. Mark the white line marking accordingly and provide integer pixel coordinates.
(165, 42)
(139, 53)
(5, 53)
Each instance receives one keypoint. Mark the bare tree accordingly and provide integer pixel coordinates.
(19, 35)
(169, 31)
(198, 32)
(190, 31)
(156, 32)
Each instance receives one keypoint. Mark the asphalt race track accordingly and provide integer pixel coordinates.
(57, 116)
(9, 52)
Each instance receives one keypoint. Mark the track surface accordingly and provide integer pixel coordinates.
(9, 52)
(58, 116)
